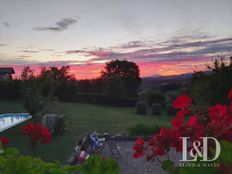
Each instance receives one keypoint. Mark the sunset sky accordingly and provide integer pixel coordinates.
(164, 37)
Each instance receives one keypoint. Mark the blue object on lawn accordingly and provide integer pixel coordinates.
(9, 120)
(94, 143)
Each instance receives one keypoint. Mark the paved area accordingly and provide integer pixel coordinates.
(129, 165)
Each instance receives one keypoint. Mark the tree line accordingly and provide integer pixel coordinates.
(119, 80)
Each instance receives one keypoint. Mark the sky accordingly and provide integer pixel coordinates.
(164, 37)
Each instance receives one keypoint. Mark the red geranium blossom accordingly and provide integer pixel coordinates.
(219, 115)
(230, 95)
(182, 113)
(4, 140)
(230, 108)
(36, 132)
(139, 148)
(182, 102)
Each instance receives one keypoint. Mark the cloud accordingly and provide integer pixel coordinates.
(74, 51)
(19, 60)
(134, 44)
(6, 24)
(172, 51)
(61, 63)
(28, 51)
(2, 45)
(61, 25)
(24, 56)
(45, 49)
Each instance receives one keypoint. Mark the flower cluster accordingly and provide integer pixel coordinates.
(36, 132)
(4, 140)
(139, 147)
(217, 124)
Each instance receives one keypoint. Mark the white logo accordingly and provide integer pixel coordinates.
(199, 150)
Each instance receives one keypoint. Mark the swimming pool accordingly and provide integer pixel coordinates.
(9, 120)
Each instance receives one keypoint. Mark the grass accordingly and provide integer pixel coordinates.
(80, 118)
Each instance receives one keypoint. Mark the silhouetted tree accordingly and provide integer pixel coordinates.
(91, 86)
(33, 100)
(211, 87)
(58, 82)
(125, 73)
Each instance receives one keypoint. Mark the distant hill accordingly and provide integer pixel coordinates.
(158, 81)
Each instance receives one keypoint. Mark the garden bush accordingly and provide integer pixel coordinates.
(156, 109)
(141, 108)
(155, 97)
(143, 96)
(209, 88)
(141, 129)
(100, 165)
(11, 162)
(10, 90)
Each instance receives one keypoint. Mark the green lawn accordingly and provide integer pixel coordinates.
(80, 118)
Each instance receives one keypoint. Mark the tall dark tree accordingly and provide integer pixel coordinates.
(125, 73)
(211, 87)
(59, 82)
(33, 100)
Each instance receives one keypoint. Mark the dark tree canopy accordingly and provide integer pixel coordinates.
(59, 81)
(49, 83)
(211, 87)
(125, 72)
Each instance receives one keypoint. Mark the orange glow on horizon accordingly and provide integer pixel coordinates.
(165, 68)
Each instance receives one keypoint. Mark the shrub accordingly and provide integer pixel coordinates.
(10, 90)
(143, 96)
(155, 97)
(141, 108)
(141, 129)
(171, 110)
(100, 165)
(210, 87)
(12, 162)
(156, 109)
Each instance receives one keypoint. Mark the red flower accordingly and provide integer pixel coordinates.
(217, 113)
(36, 132)
(220, 122)
(192, 121)
(230, 95)
(230, 108)
(139, 148)
(4, 140)
(177, 122)
(182, 102)
(182, 113)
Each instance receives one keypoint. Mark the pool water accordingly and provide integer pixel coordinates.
(9, 120)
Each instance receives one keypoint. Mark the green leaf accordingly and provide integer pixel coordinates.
(226, 153)
(167, 165)
(57, 171)
(24, 163)
(1, 148)
(11, 153)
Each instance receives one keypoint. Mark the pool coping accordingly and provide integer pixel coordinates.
(12, 125)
